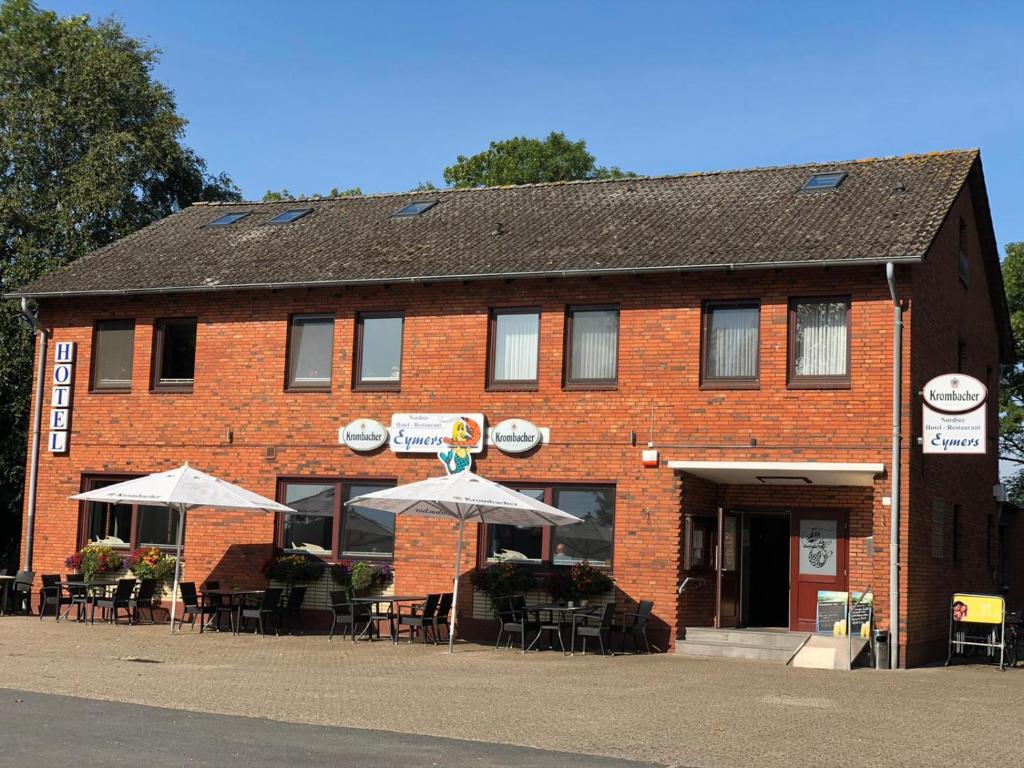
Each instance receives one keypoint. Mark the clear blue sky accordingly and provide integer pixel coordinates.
(384, 95)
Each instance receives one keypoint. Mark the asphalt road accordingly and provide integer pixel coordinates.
(50, 730)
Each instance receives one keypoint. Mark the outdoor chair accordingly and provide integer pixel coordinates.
(120, 599)
(267, 609)
(554, 624)
(78, 598)
(348, 613)
(423, 620)
(595, 626)
(190, 605)
(635, 625)
(217, 606)
(21, 591)
(293, 608)
(441, 617)
(143, 599)
(513, 619)
(50, 593)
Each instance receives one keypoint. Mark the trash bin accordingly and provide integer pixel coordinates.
(880, 648)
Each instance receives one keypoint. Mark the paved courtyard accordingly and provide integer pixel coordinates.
(662, 709)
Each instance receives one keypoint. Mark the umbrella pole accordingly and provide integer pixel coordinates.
(455, 590)
(177, 566)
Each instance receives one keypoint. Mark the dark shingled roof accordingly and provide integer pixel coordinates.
(885, 209)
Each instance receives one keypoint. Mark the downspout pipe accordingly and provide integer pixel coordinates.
(894, 507)
(37, 419)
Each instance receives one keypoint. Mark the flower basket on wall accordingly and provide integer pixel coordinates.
(151, 563)
(95, 561)
(579, 582)
(503, 579)
(362, 576)
(292, 568)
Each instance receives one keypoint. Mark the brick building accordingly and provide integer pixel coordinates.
(739, 323)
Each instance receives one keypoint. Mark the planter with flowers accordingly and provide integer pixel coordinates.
(503, 579)
(578, 583)
(93, 561)
(362, 576)
(292, 568)
(151, 563)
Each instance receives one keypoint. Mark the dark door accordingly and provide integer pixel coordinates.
(727, 558)
(817, 562)
(768, 559)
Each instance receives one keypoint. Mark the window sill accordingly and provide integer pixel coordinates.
(735, 384)
(110, 391)
(822, 384)
(171, 390)
(513, 387)
(308, 389)
(376, 387)
(583, 386)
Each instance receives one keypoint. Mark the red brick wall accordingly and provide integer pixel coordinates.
(240, 373)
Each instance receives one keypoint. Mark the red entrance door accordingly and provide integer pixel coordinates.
(817, 562)
(727, 560)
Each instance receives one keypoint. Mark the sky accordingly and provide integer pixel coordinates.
(314, 95)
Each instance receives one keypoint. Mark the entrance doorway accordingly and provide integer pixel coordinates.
(768, 580)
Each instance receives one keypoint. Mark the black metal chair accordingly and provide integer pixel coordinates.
(293, 608)
(441, 617)
(635, 625)
(190, 605)
(217, 606)
(77, 597)
(267, 608)
(513, 619)
(143, 599)
(120, 599)
(595, 626)
(422, 620)
(50, 593)
(21, 591)
(348, 613)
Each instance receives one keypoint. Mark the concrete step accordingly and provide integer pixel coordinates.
(693, 648)
(748, 637)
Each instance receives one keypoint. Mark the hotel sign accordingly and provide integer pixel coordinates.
(363, 435)
(954, 415)
(60, 396)
(433, 432)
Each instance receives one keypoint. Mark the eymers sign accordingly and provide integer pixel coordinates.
(954, 415)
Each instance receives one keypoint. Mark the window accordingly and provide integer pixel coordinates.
(174, 355)
(323, 526)
(824, 181)
(289, 216)
(591, 540)
(125, 526)
(731, 343)
(963, 263)
(514, 343)
(593, 347)
(310, 351)
(112, 353)
(415, 209)
(819, 342)
(378, 363)
(227, 219)
(700, 533)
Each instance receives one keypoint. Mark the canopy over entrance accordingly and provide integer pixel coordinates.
(781, 472)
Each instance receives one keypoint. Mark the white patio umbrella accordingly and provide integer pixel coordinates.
(463, 496)
(181, 489)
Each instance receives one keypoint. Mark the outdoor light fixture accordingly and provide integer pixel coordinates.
(784, 480)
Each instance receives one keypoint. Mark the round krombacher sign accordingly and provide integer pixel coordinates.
(363, 435)
(515, 436)
(954, 393)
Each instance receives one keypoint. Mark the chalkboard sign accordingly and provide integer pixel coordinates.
(860, 614)
(830, 613)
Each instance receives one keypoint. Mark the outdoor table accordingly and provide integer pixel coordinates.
(389, 615)
(93, 589)
(563, 610)
(5, 586)
(233, 596)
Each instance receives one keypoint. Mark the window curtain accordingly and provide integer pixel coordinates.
(515, 347)
(312, 345)
(595, 341)
(821, 339)
(732, 343)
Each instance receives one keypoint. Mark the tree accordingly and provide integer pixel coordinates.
(90, 150)
(1011, 385)
(521, 160)
(271, 196)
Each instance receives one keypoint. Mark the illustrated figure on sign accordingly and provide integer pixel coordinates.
(959, 611)
(465, 435)
(818, 551)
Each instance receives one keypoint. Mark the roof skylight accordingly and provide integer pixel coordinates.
(415, 209)
(290, 215)
(824, 181)
(228, 218)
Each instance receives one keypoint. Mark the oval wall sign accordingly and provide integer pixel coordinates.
(363, 435)
(954, 393)
(515, 435)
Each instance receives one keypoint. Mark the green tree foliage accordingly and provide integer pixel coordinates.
(528, 161)
(90, 151)
(271, 196)
(1011, 385)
